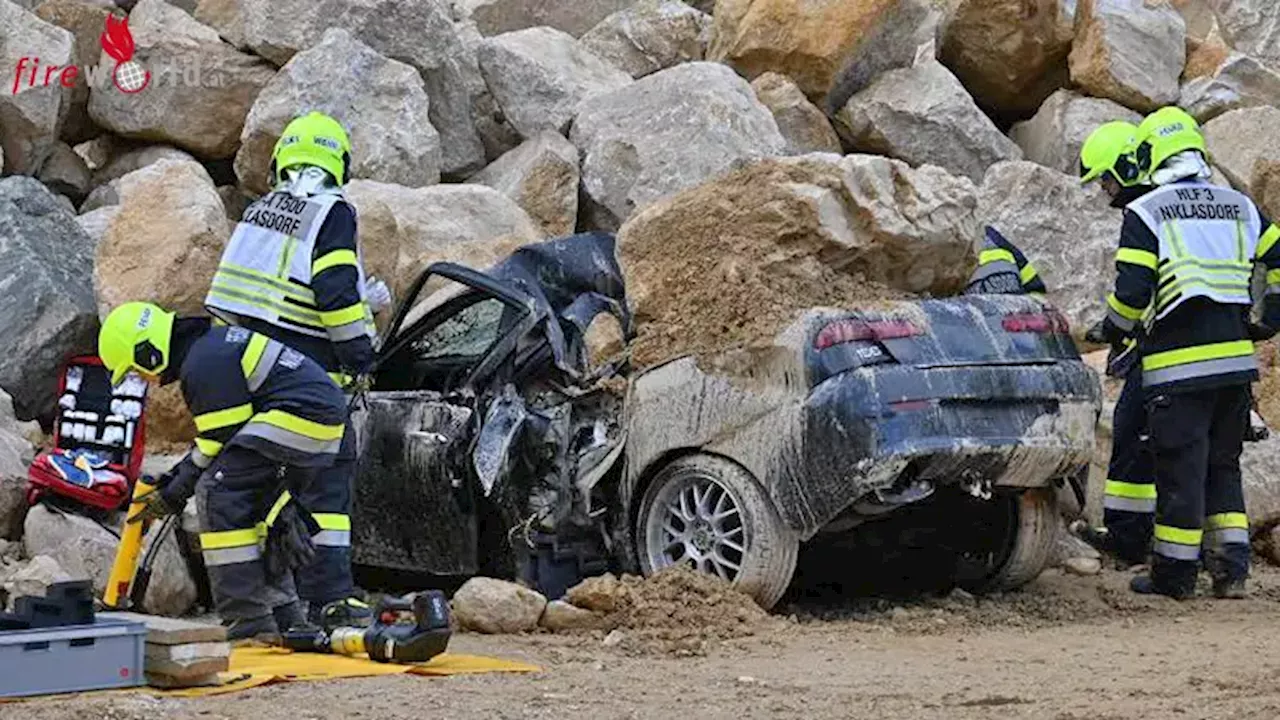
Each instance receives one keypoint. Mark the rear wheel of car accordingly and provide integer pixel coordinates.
(1030, 524)
(711, 514)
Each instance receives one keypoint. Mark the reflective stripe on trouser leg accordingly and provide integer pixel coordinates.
(1129, 499)
(1226, 527)
(1177, 543)
(327, 497)
(1180, 426)
(230, 501)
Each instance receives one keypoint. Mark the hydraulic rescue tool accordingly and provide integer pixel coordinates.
(127, 584)
(410, 629)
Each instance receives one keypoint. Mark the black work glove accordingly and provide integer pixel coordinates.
(155, 507)
(289, 544)
(1094, 334)
(179, 484)
(1259, 332)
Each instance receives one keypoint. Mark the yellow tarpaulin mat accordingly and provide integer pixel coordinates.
(252, 667)
(256, 666)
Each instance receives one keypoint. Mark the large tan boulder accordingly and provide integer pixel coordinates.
(664, 133)
(729, 264)
(1054, 135)
(170, 225)
(539, 76)
(1067, 231)
(923, 114)
(1010, 54)
(541, 175)
(201, 88)
(1129, 51)
(1245, 145)
(84, 19)
(381, 102)
(830, 49)
(1239, 82)
(1251, 27)
(403, 230)
(805, 128)
(31, 118)
(649, 36)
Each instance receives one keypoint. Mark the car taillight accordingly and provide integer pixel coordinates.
(1049, 321)
(844, 331)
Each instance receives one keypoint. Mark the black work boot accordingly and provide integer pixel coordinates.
(1230, 589)
(1146, 585)
(289, 616)
(262, 630)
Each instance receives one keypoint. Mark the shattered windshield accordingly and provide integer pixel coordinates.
(469, 333)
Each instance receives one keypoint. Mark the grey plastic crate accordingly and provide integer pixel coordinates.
(73, 658)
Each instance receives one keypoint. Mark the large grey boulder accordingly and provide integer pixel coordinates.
(381, 102)
(32, 577)
(495, 17)
(1245, 145)
(1129, 51)
(47, 310)
(539, 76)
(1252, 27)
(667, 132)
(84, 19)
(923, 114)
(85, 549)
(1053, 136)
(805, 128)
(649, 36)
(16, 453)
(418, 33)
(541, 175)
(1067, 231)
(1240, 82)
(65, 173)
(31, 118)
(200, 90)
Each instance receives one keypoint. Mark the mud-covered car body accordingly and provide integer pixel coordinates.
(847, 416)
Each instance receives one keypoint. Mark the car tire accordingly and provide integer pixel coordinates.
(702, 487)
(1033, 534)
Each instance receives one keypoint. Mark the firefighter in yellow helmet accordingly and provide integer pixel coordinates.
(292, 271)
(1109, 156)
(268, 419)
(1186, 255)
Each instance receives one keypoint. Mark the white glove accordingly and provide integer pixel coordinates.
(377, 294)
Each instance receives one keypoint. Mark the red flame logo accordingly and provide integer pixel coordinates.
(116, 40)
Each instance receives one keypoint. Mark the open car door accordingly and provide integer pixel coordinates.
(415, 507)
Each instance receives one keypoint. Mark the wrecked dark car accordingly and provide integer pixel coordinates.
(491, 444)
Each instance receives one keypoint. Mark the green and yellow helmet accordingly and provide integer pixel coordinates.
(1165, 133)
(1111, 149)
(313, 139)
(136, 336)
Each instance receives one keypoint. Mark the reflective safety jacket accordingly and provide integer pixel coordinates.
(1002, 268)
(292, 271)
(1186, 256)
(245, 389)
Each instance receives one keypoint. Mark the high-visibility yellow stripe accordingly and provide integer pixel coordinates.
(990, 256)
(1178, 535)
(231, 274)
(1273, 277)
(276, 508)
(293, 313)
(1199, 353)
(340, 379)
(301, 426)
(1222, 521)
(1137, 491)
(331, 260)
(253, 354)
(345, 316)
(1125, 311)
(1134, 256)
(1027, 273)
(224, 418)
(332, 521)
(228, 539)
(209, 448)
(1267, 240)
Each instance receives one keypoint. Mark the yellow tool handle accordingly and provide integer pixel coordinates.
(127, 552)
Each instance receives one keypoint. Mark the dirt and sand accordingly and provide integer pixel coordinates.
(1065, 648)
